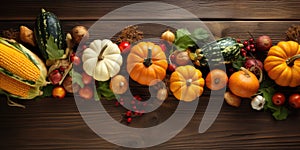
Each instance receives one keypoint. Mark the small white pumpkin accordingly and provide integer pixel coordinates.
(102, 60)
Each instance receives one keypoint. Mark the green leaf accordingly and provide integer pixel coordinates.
(239, 62)
(103, 89)
(97, 96)
(52, 49)
(200, 34)
(281, 113)
(267, 89)
(47, 90)
(184, 42)
(182, 32)
(77, 78)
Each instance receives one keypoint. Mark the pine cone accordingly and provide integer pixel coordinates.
(293, 33)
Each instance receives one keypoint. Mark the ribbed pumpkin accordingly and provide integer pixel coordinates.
(186, 83)
(147, 63)
(102, 60)
(283, 63)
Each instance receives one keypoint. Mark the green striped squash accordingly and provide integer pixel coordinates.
(48, 25)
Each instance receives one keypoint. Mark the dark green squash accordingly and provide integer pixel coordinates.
(221, 51)
(48, 31)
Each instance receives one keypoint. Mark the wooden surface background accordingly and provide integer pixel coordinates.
(56, 124)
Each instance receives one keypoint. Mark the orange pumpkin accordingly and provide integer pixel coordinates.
(216, 79)
(243, 83)
(147, 63)
(283, 63)
(186, 83)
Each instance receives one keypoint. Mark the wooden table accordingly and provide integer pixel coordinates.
(56, 124)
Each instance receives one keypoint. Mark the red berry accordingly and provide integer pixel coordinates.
(248, 48)
(251, 40)
(132, 102)
(117, 103)
(129, 120)
(145, 104)
(252, 46)
(245, 43)
(62, 69)
(244, 53)
(137, 97)
(253, 50)
(278, 99)
(124, 46)
(238, 40)
(134, 107)
(128, 113)
(84, 47)
(76, 60)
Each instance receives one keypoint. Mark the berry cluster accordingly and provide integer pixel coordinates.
(136, 108)
(249, 46)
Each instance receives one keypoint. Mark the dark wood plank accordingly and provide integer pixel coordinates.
(56, 124)
(204, 9)
(237, 29)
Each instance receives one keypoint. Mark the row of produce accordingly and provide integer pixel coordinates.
(182, 63)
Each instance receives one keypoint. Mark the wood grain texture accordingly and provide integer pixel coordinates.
(56, 124)
(204, 9)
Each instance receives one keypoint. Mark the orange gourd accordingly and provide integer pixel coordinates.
(216, 79)
(186, 83)
(147, 63)
(283, 63)
(243, 83)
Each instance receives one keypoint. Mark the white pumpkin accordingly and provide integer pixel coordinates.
(102, 59)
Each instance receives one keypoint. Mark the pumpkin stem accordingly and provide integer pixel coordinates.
(246, 72)
(189, 82)
(217, 80)
(290, 61)
(100, 57)
(148, 60)
(121, 84)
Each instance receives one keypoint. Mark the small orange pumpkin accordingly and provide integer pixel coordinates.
(118, 84)
(186, 83)
(283, 63)
(216, 79)
(243, 83)
(147, 63)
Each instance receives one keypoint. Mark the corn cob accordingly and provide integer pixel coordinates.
(18, 64)
(17, 89)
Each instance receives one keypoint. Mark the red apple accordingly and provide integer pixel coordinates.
(86, 79)
(86, 93)
(55, 76)
(263, 43)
